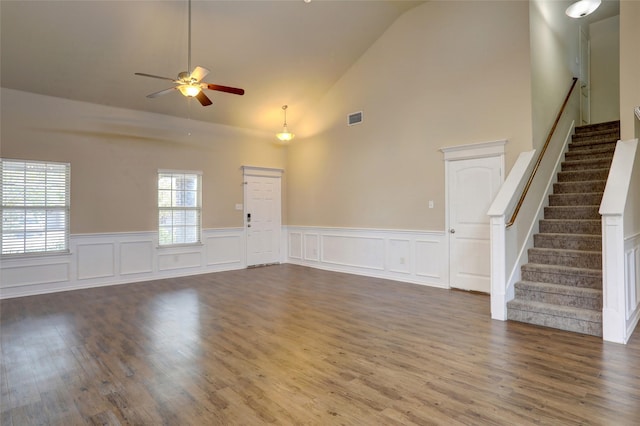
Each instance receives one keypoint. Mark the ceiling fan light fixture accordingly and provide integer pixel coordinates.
(582, 8)
(189, 90)
(285, 136)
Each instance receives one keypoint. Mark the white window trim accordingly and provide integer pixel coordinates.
(66, 208)
(198, 208)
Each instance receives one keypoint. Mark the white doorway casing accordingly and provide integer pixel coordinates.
(585, 78)
(262, 214)
(473, 176)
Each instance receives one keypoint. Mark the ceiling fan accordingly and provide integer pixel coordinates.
(190, 83)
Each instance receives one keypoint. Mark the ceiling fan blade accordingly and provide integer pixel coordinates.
(199, 73)
(162, 92)
(226, 89)
(155, 76)
(203, 99)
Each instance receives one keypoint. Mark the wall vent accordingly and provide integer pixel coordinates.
(354, 118)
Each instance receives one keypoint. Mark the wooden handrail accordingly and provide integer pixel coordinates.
(539, 160)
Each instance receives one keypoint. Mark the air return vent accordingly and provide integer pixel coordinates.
(354, 118)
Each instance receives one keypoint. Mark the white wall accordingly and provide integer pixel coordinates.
(629, 69)
(444, 74)
(554, 62)
(605, 70)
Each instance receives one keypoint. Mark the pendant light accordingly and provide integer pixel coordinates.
(582, 8)
(285, 136)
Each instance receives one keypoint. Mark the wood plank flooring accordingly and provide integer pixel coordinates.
(296, 346)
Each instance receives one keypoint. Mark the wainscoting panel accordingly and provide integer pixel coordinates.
(173, 261)
(295, 245)
(632, 280)
(136, 257)
(311, 247)
(27, 271)
(412, 256)
(117, 258)
(95, 260)
(431, 255)
(224, 249)
(353, 251)
(399, 258)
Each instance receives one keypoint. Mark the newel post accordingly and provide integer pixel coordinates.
(614, 321)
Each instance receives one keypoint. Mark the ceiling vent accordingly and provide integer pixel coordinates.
(354, 118)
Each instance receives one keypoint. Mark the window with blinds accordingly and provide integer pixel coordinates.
(179, 201)
(35, 207)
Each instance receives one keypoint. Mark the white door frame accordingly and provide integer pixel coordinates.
(584, 55)
(260, 172)
(466, 152)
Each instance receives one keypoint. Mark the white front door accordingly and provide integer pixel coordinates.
(472, 186)
(262, 216)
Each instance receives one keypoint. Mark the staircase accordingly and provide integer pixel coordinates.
(561, 285)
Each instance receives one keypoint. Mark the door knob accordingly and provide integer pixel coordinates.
(453, 231)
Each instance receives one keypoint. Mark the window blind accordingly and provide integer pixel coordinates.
(35, 206)
(179, 211)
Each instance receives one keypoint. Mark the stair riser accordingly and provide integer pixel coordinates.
(569, 212)
(599, 163)
(583, 175)
(589, 260)
(590, 154)
(571, 227)
(593, 303)
(575, 199)
(599, 127)
(568, 242)
(546, 320)
(586, 146)
(596, 137)
(578, 187)
(574, 280)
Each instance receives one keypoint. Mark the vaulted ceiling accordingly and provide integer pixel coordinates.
(281, 52)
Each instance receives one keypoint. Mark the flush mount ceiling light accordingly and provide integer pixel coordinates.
(582, 8)
(285, 136)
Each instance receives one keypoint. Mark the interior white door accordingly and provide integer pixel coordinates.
(472, 185)
(262, 219)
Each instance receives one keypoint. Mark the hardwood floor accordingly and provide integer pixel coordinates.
(292, 345)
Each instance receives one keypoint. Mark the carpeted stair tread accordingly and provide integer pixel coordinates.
(576, 297)
(565, 275)
(574, 258)
(596, 134)
(571, 226)
(568, 318)
(583, 175)
(568, 241)
(585, 154)
(579, 187)
(576, 199)
(586, 146)
(572, 212)
(596, 137)
(588, 128)
(560, 289)
(587, 164)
